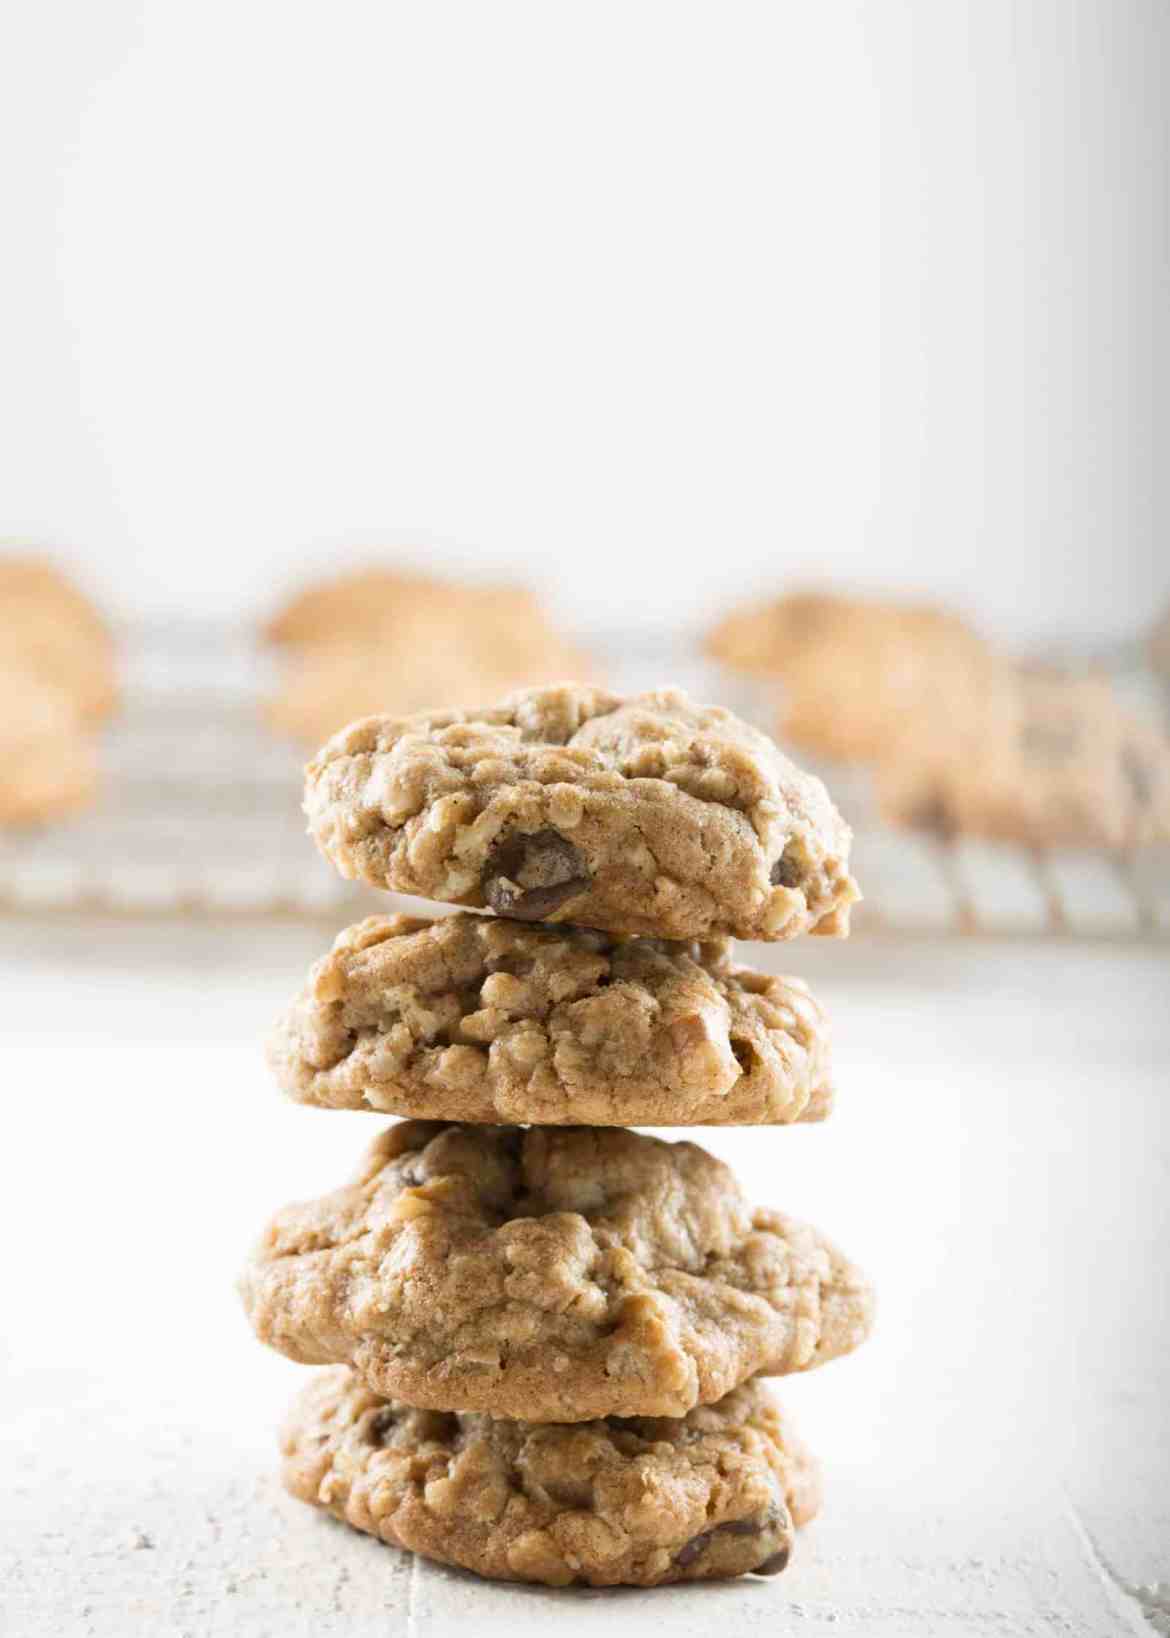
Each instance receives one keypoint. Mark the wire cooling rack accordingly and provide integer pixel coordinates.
(200, 814)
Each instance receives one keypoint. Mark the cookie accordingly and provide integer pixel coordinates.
(384, 641)
(478, 1018)
(355, 606)
(554, 1274)
(853, 702)
(49, 629)
(761, 637)
(1041, 759)
(851, 668)
(638, 1502)
(648, 816)
(48, 762)
(329, 685)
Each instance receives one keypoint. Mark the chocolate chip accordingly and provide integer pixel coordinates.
(774, 1517)
(383, 1423)
(773, 1565)
(687, 1555)
(790, 867)
(530, 876)
(932, 813)
(743, 1527)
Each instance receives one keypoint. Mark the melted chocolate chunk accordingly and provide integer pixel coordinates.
(773, 1565)
(530, 876)
(383, 1423)
(790, 867)
(697, 1545)
(775, 1517)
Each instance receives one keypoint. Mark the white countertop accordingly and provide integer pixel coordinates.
(997, 1458)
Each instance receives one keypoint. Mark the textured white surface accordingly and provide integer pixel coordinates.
(997, 1457)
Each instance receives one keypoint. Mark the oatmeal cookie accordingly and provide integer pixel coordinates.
(851, 667)
(1041, 759)
(647, 816)
(551, 1274)
(637, 1502)
(358, 604)
(384, 641)
(477, 1018)
(328, 685)
(48, 763)
(50, 630)
(853, 704)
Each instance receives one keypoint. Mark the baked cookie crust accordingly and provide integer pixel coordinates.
(650, 816)
(554, 1274)
(477, 1018)
(639, 1502)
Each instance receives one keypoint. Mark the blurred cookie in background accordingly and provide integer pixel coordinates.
(380, 640)
(50, 629)
(1037, 758)
(48, 759)
(349, 607)
(850, 697)
(849, 669)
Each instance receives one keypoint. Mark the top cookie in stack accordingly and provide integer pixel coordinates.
(650, 816)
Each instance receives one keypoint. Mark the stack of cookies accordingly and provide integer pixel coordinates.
(546, 1332)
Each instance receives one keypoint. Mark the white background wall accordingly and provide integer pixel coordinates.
(652, 301)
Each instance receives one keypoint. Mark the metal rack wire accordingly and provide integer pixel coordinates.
(200, 814)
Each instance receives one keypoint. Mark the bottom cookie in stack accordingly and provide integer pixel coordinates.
(639, 1501)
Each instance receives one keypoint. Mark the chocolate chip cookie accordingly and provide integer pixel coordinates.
(361, 603)
(328, 685)
(551, 1274)
(382, 640)
(477, 1018)
(650, 816)
(637, 1502)
(1042, 759)
(850, 667)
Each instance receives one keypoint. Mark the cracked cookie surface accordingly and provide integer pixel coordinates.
(478, 1018)
(620, 1502)
(550, 1274)
(650, 816)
